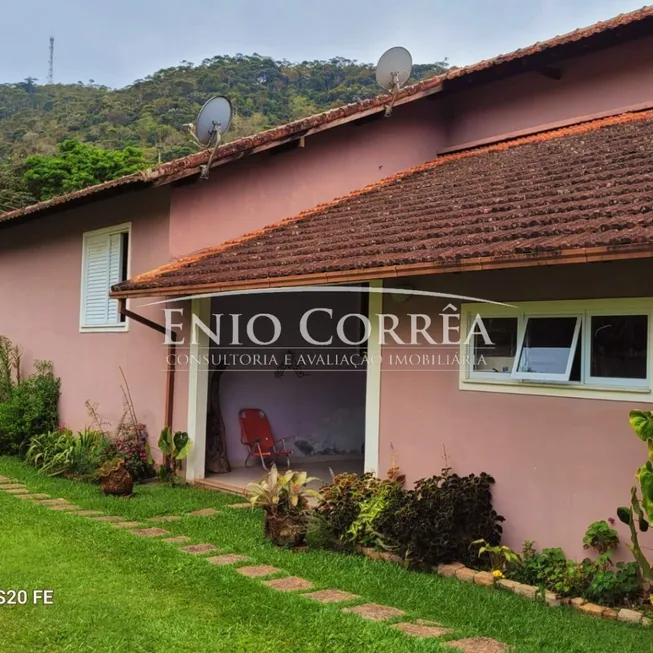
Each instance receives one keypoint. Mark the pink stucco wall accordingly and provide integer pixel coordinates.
(257, 191)
(40, 268)
(559, 463)
(598, 82)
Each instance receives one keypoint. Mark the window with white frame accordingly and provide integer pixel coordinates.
(576, 344)
(105, 262)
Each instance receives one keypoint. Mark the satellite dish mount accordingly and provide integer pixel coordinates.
(216, 135)
(212, 123)
(392, 73)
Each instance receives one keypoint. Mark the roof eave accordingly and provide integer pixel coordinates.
(476, 264)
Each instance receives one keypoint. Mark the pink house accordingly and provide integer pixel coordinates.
(509, 200)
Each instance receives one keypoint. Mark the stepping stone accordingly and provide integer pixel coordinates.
(89, 513)
(240, 505)
(164, 518)
(177, 540)
(205, 512)
(125, 524)
(478, 645)
(107, 518)
(423, 628)
(150, 532)
(33, 496)
(53, 502)
(196, 549)
(289, 584)
(65, 506)
(14, 486)
(375, 612)
(18, 490)
(227, 559)
(6, 479)
(331, 596)
(255, 571)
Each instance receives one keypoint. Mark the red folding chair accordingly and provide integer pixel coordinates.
(256, 435)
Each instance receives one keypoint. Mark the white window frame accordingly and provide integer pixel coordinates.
(615, 381)
(119, 327)
(541, 376)
(588, 387)
(479, 374)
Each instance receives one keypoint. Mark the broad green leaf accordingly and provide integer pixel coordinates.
(645, 478)
(164, 442)
(642, 423)
(180, 441)
(180, 455)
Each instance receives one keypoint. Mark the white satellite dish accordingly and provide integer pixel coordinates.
(393, 71)
(212, 123)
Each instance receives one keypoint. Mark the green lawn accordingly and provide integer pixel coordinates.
(115, 592)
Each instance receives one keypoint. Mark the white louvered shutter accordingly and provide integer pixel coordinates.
(103, 267)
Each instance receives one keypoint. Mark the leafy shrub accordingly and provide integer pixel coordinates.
(595, 580)
(438, 521)
(364, 529)
(30, 409)
(345, 498)
(432, 524)
(62, 452)
(616, 587)
(600, 537)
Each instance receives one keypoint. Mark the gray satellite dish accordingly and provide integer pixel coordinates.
(213, 120)
(212, 123)
(393, 71)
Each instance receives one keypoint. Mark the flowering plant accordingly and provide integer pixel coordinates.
(131, 445)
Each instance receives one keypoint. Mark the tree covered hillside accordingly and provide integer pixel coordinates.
(150, 114)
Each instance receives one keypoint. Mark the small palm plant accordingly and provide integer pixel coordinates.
(285, 500)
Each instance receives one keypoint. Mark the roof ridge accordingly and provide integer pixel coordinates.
(189, 165)
(421, 85)
(553, 134)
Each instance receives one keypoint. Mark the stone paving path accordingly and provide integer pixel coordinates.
(375, 612)
(197, 549)
(370, 611)
(331, 596)
(256, 571)
(227, 559)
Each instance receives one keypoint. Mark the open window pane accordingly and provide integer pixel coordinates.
(619, 346)
(548, 348)
(496, 354)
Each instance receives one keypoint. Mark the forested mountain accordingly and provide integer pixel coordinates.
(150, 113)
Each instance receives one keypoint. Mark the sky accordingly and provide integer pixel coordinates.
(115, 42)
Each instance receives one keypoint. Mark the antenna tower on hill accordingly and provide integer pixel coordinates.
(51, 67)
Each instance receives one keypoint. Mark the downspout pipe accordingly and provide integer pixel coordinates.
(170, 362)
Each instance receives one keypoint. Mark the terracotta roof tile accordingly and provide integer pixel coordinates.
(190, 165)
(586, 186)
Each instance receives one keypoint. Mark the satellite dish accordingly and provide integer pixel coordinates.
(212, 123)
(213, 120)
(393, 71)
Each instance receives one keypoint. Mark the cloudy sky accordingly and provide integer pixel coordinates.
(117, 41)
